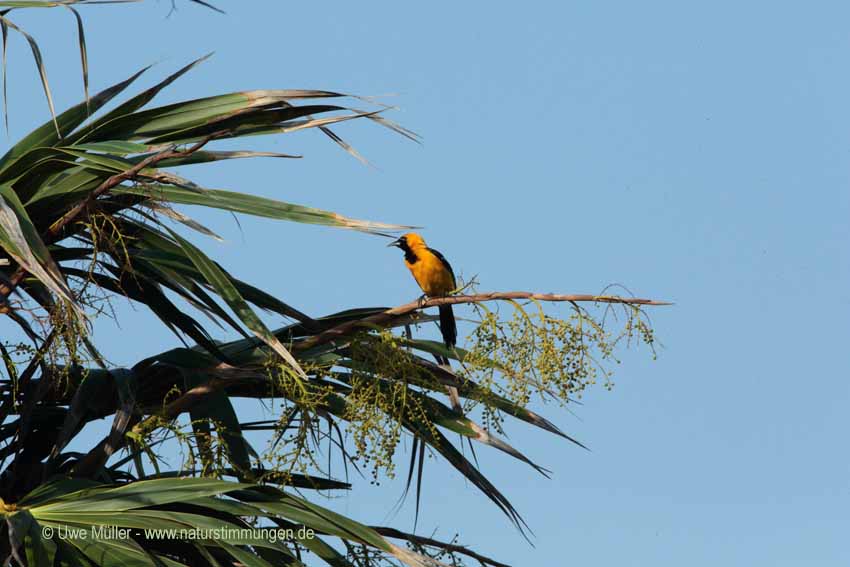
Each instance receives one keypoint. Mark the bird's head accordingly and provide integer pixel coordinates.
(410, 241)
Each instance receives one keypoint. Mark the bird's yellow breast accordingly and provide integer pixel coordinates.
(431, 274)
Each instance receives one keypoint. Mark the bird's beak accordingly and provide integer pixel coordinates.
(395, 243)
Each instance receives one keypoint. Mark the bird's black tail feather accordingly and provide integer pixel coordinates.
(448, 327)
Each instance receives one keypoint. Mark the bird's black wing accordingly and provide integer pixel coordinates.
(448, 325)
(444, 262)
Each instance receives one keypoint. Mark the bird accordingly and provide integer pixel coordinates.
(435, 277)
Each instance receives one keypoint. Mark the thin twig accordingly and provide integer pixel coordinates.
(97, 457)
(450, 547)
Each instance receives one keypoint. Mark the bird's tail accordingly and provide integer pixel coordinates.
(448, 327)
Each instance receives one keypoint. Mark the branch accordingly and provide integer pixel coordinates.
(55, 229)
(386, 317)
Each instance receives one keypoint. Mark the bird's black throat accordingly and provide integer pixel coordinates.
(409, 255)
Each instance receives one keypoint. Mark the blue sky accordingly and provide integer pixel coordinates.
(698, 153)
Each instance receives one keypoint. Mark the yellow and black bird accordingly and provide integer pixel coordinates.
(434, 275)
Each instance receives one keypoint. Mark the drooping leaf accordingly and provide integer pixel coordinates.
(225, 288)
(39, 63)
(19, 238)
(254, 205)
